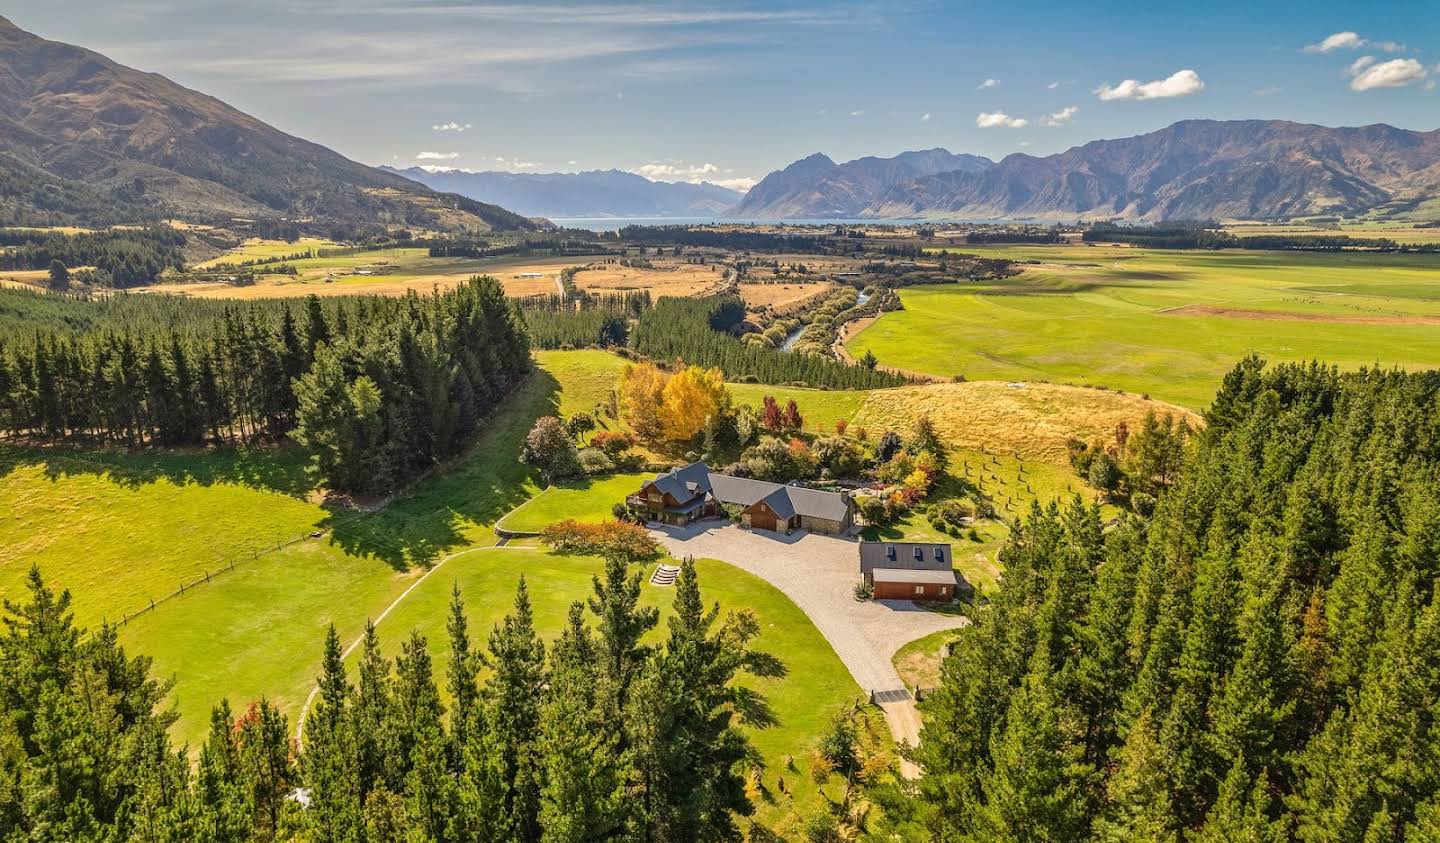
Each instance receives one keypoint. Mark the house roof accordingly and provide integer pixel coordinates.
(897, 555)
(787, 501)
(910, 575)
(685, 482)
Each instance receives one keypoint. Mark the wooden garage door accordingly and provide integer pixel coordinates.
(762, 520)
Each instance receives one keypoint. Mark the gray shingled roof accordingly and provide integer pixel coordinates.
(685, 482)
(787, 501)
(876, 555)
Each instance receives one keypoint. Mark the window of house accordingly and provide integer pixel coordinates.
(919, 589)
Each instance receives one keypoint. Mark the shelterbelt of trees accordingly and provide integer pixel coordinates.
(1259, 661)
(379, 389)
(696, 331)
(121, 257)
(600, 738)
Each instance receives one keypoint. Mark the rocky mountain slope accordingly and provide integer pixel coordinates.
(87, 140)
(593, 193)
(818, 188)
(1194, 169)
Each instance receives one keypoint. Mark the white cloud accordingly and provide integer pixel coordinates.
(1269, 91)
(681, 171)
(857, 112)
(740, 184)
(1053, 85)
(1351, 41)
(516, 163)
(999, 120)
(452, 126)
(1061, 117)
(925, 118)
(1024, 144)
(573, 162)
(988, 83)
(1396, 73)
(437, 156)
(1181, 83)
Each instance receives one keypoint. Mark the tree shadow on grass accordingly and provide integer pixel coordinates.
(280, 469)
(476, 489)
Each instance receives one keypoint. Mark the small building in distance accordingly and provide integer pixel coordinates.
(683, 495)
(909, 570)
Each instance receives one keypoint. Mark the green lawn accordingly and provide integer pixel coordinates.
(820, 408)
(815, 686)
(590, 499)
(1156, 322)
(918, 662)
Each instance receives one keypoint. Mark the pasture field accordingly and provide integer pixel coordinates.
(258, 249)
(1401, 232)
(385, 272)
(1165, 323)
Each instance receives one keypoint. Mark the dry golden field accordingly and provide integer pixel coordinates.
(1034, 420)
(667, 277)
(781, 294)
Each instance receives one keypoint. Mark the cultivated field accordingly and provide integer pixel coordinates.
(1165, 323)
(780, 294)
(386, 272)
(665, 277)
(257, 249)
(1401, 232)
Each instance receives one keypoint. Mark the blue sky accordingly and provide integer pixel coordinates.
(729, 91)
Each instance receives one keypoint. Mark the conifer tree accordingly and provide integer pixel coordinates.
(512, 714)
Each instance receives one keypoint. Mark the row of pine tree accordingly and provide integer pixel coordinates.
(603, 737)
(380, 389)
(1260, 661)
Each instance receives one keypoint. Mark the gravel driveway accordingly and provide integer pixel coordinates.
(818, 573)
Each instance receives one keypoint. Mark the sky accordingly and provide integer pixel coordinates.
(728, 91)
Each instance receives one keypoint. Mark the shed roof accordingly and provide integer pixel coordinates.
(910, 575)
(896, 555)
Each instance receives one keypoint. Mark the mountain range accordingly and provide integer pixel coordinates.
(1194, 169)
(592, 193)
(817, 188)
(85, 139)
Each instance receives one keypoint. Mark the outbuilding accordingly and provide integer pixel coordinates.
(913, 584)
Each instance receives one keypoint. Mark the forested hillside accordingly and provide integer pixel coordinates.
(1260, 661)
(379, 389)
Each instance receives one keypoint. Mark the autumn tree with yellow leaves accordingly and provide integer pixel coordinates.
(672, 408)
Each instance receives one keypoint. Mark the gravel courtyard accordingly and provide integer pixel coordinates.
(818, 572)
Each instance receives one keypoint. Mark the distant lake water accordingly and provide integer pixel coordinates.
(617, 223)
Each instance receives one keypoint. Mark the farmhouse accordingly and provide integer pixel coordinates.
(682, 495)
(909, 570)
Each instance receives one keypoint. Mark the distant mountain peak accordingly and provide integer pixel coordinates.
(122, 145)
(1191, 169)
(817, 187)
(589, 193)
